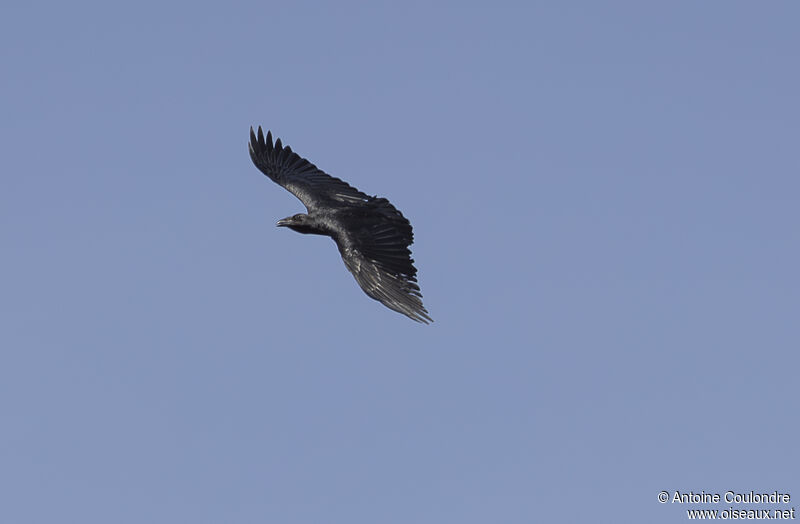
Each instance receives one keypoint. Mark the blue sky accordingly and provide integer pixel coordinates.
(604, 199)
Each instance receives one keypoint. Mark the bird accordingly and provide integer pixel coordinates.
(372, 235)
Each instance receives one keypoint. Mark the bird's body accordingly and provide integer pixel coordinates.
(371, 234)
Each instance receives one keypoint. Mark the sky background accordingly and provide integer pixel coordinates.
(605, 203)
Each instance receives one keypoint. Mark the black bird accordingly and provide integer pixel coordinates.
(372, 235)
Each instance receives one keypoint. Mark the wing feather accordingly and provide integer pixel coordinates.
(303, 179)
(378, 256)
(396, 291)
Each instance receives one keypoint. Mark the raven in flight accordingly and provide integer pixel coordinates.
(372, 235)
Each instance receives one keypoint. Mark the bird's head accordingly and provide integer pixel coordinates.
(300, 222)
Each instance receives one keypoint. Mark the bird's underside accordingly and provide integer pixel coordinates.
(372, 235)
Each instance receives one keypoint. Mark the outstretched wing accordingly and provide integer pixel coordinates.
(300, 177)
(397, 292)
(377, 255)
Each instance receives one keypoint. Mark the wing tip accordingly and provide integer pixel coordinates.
(259, 142)
(423, 318)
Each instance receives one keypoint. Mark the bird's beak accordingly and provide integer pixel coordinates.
(283, 222)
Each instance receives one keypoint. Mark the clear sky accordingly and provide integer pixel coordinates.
(605, 204)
